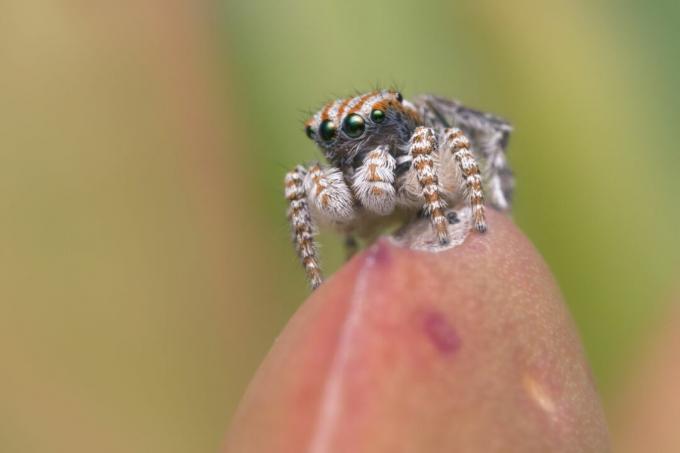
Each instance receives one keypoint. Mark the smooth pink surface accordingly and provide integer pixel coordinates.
(401, 351)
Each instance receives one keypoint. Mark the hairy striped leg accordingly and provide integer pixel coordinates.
(373, 182)
(422, 147)
(458, 144)
(491, 141)
(302, 225)
(328, 194)
(500, 184)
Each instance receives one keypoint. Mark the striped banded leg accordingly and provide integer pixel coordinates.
(422, 148)
(373, 182)
(302, 225)
(459, 145)
(328, 193)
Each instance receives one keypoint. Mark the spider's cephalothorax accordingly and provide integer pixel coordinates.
(390, 158)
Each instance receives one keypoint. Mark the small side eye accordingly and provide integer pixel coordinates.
(400, 98)
(377, 116)
(309, 131)
(354, 125)
(327, 130)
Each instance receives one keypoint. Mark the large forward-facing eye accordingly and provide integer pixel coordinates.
(354, 125)
(309, 131)
(327, 130)
(378, 116)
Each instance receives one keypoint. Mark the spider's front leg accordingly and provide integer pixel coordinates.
(330, 199)
(422, 148)
(457, 143)
(302, 226)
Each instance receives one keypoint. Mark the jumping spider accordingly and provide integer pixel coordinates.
(391, 159)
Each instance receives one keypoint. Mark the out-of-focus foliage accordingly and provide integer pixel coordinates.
(144, 263)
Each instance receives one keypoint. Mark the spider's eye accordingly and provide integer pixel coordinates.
(377, 116)
(327, 130)
(400, 98)
(309, 131)
(353, 125)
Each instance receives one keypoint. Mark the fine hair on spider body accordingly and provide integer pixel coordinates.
(389, 158)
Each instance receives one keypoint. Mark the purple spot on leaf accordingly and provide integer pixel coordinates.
(441, 333)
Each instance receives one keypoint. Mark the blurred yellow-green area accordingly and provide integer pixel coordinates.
(145, 267)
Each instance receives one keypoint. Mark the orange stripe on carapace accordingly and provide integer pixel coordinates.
(386, 104)
(362, 101)
(343, 106)
(381, 105)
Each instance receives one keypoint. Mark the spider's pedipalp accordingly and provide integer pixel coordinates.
(302, 226)
(373, 182)
(328, 193)
(422, 147)
(457, 143)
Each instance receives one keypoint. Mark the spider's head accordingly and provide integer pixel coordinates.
(345, 128)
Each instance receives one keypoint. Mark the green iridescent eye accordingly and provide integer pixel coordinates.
(354, 125)
(377, 116)
(327, 130)
(309, 131)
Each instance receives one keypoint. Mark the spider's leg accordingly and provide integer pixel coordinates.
(457, 143)
(501, 182)
(373, 181)
(302, 226)
(490, 136)
(422, 147)
(488, 133)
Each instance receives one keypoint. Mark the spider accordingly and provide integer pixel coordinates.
(390, 159)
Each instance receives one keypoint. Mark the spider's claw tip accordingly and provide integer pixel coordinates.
(481, 227)
(314, 284)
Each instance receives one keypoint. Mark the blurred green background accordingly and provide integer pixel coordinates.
(145, 267)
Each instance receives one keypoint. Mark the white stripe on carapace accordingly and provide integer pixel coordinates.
(333, 112)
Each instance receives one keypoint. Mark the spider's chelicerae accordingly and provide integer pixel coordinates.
(392, 159)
